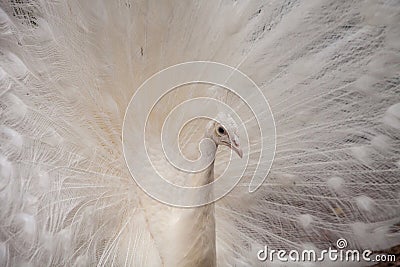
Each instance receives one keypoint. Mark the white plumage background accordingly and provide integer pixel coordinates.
(329, 70)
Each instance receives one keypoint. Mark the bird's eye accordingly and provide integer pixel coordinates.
(221, 130)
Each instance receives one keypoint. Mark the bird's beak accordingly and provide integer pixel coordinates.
(238, 151)
(235, 146)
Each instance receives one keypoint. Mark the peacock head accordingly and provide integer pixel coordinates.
(224, 131)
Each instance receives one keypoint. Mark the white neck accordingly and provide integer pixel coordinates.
(192, 232)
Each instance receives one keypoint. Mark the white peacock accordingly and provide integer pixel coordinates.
(68, 69)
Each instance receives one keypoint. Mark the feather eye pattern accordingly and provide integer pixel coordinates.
(68, 69)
